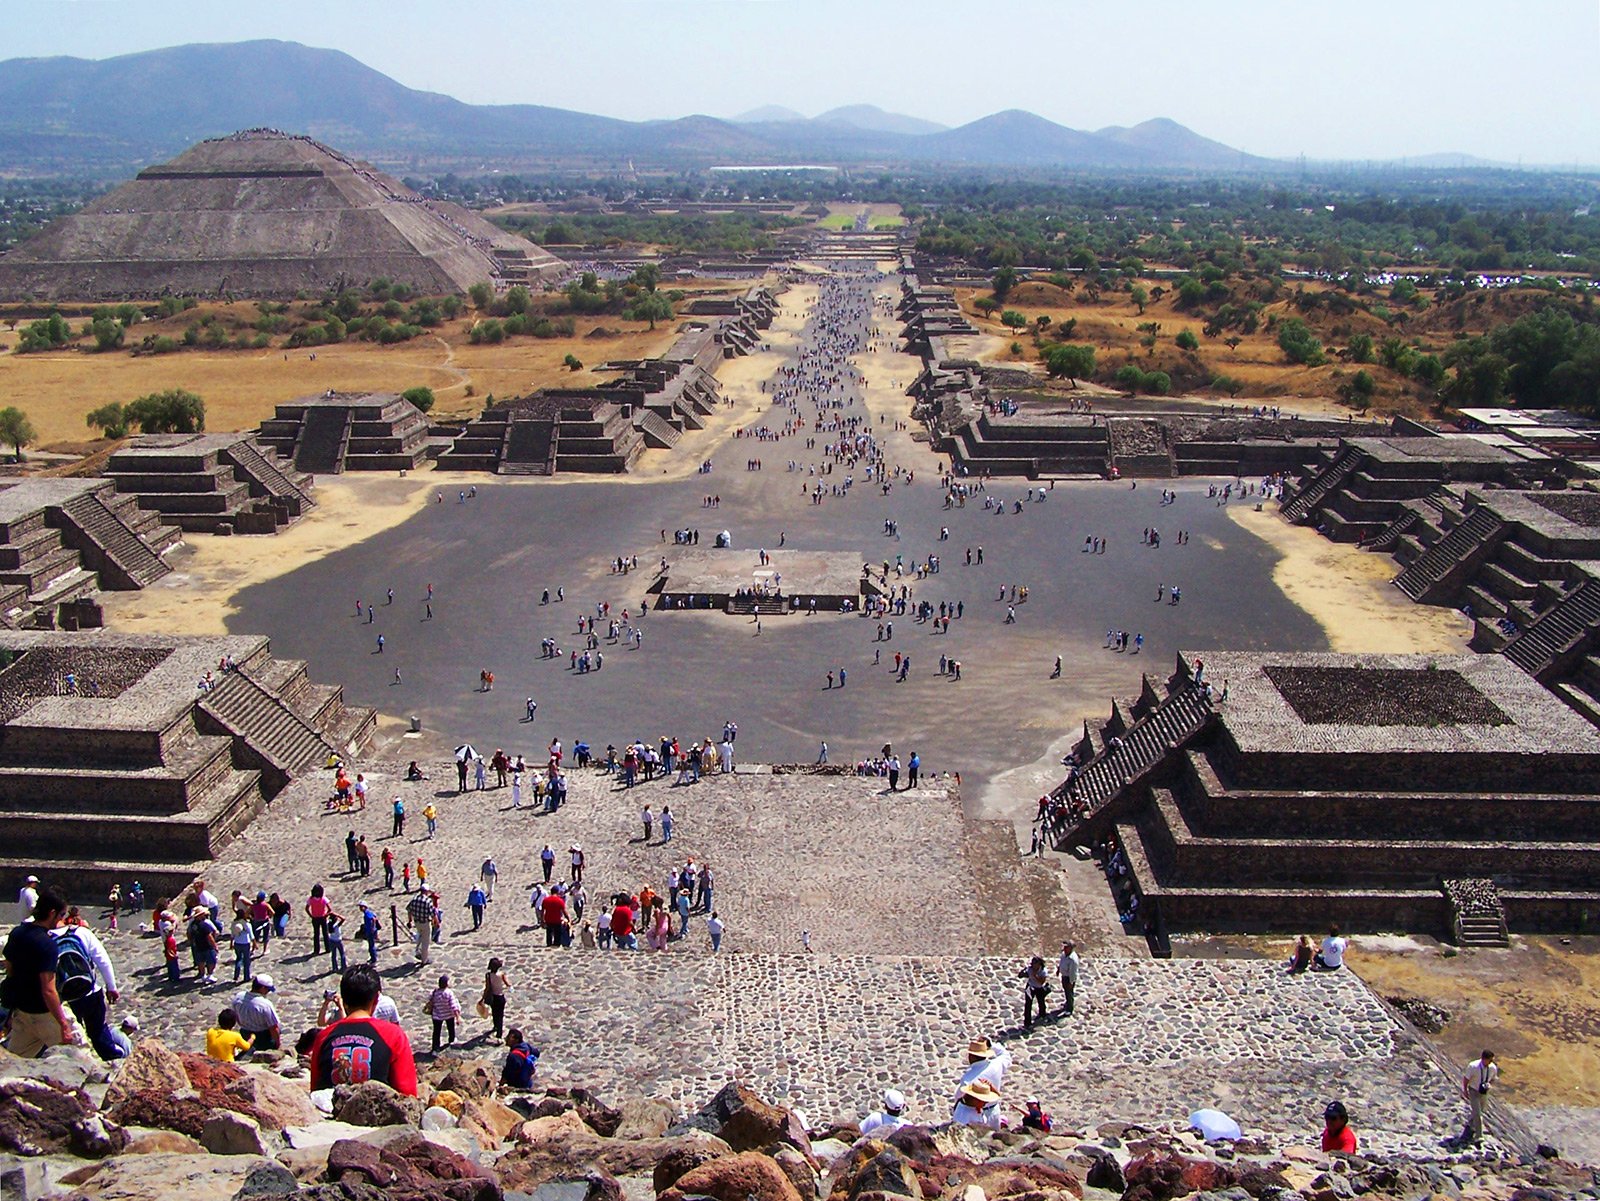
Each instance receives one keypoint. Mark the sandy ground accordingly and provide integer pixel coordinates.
(209, 572)
(1347, 592)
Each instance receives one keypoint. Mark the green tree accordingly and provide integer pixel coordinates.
(1140, 297)
(1071, 362)
(562, 234)
(1186, 340)
(651, 307)
(647, 276)
(172, 412)
(572, 363)
(1299, 344)
(1358, 390)
(517, 300)
(481, 294)
(986, 305)
(1012, 319)
(107, 330)
(109, 419)
(1004, 280)
(421, 396)
(1361, 348)
(16, 430)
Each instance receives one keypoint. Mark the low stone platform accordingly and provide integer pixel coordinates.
(701, 578)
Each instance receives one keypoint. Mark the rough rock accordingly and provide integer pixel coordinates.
(1104, 1170)
(603, 1119)
(447, 1100)
(411, 1168)
(680, 1160)
(271, 1100)
(595, 1186)
(746, 1176)
(644, 1117)
(459, 1074)
(374, 1103)
(268, 1180)
(490, 1122)
(436, 1117)
(163, 1110)
(229, 1133)
(321, 1133)
(66, 1065)
(165, 1177)
(1158, 1176)
(876, 1167)
(152, 1064)
(564, 1127)
(23, 1179)
(160, 1142)
(801, 1171)
(40, 1118)
(747, 1123)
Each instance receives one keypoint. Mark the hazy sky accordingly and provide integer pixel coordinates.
(1341, 79)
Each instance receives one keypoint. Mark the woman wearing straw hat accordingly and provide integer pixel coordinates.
(978, 1105)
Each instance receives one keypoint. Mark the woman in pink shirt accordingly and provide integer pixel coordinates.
(317, 910)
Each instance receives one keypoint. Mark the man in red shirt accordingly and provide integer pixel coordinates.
(622, 927)
(359, 1046)
(553, 910)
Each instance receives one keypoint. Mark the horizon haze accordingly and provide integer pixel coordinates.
(1397, 81)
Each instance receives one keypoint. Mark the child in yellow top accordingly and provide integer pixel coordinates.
(223, 1041)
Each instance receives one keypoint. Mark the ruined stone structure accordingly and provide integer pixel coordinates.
(348, 431)
(215, 483)
(128, 757)
(267, 215)
(1444, 794)
(62, 540)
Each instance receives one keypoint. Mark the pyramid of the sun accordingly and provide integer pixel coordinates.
(263, 214)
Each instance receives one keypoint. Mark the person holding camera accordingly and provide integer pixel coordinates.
(1476, 1082)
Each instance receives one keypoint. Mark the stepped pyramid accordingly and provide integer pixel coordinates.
(264, 214)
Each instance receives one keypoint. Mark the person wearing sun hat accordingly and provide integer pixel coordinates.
(985, 1061)
(978, 1104)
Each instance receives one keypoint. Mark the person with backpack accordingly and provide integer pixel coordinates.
(87, 982)
(522, 1062)
(203, 944)
(39, 1019)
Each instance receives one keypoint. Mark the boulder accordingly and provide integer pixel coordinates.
(533, 1162)
(887, 1171)
(801, 1171)
(162, 1110)
(207, 1075)
(160, 1142)
(556, 1129)
(644, 1117)
(490, 1122)
(681, 1160)
(40, 1118)
(1104, 1170)
(594, 1186)
(1158, 1176)
(603, 1119)
(746, 1176)
(552, 1107)
(67, 1065)
(447, 1100)
(229, 1133)
(271, 1100)
(747, 1123)
(411, 1168)
(268, 1180)
(374, 1103)
(322, 1133)
(152, 1064)
(458, 1074)
(164, 1177)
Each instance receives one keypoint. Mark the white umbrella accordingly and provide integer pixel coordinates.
(466, 752)
(1214, 1125)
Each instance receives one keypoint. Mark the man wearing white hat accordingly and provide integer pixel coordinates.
(884, 1122)
(27, 898)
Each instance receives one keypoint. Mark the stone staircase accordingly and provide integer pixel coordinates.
(268, 473)
(113, 548)
(1478, 916)
(1304, 502)
(1540, 646)
(266, 721)
(658, 434)
(1144, 744)
(750, 606)
(1387, 537)
(324, 435)
(1427, 576)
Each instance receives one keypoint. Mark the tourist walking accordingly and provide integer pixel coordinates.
(444, 1009)
(1067, 972)
(495, 987)
(1036, 989)
(419, 917)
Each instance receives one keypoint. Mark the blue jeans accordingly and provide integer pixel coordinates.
(336, 955)
(174, 974)
(241, 961)
(372, 949)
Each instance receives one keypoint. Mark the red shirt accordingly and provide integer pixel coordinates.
(357, 1049)
(621, 921)
(1344, 1140)
(554, 909)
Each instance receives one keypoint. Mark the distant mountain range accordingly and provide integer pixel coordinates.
(66, 115)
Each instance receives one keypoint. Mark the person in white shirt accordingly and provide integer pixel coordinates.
(985, 1061)
(1331, 957)
(1476, 1082)
(91, 1010)
(978, 1104)
(715, 927)
(27, 898)
(883, 1122)
(1067, 970)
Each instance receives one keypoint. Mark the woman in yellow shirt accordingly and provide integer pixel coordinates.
(223, 1041)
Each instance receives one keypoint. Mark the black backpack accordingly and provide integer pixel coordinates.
(75, 978)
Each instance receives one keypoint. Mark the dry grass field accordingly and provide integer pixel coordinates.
(1111, 327)
(57, 389)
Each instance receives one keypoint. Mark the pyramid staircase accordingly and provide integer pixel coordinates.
(1171, 723)
(1304, 502)
(107, 542)
(324, 437)
(1541, 646)
(1431, 573)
